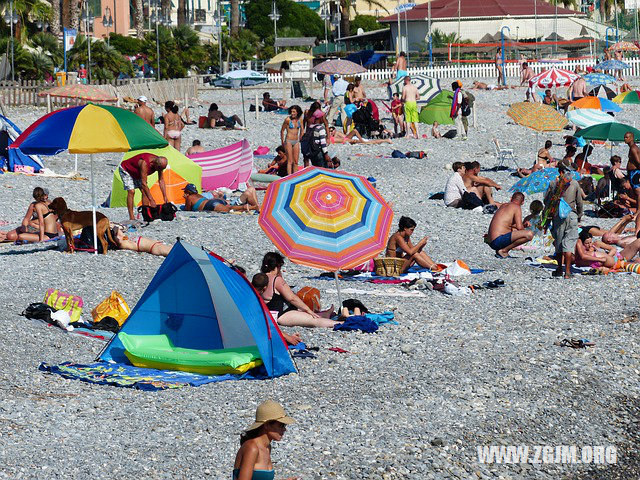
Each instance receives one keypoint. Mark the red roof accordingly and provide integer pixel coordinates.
(486, 8)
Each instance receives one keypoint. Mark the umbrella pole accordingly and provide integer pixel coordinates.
(244, 116)
(75, 165)
(335, 276)
(93, 210)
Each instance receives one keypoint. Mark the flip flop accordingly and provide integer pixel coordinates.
(497, 255)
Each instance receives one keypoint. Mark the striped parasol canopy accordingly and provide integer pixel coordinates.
(595, 79)
(537, 116)
(586, 117)
(342, 67)
(80, 91)
(428, 87)
(554, 77)
(603, 91)
(612, 65)
(624, 47)
(326, 219)
(596, 103)
(632, 97)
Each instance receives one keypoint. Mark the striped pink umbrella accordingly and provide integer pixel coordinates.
(554, 77)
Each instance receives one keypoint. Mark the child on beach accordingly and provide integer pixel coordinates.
(290, 134)
(434, 130)
(398, 116)
(401, 246)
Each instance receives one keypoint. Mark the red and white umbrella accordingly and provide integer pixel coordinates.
(554, 77)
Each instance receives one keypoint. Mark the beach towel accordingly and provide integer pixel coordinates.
(357, 322)
(127, 376)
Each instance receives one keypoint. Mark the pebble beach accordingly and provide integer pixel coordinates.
(412, 401)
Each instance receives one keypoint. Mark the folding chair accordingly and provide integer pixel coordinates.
(504, 155)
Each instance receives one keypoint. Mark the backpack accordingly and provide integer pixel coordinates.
(39, 311)
(85, 241)
(465, 108)
(168, 212)
(149, 213)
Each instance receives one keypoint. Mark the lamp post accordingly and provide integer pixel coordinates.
(325, 16)
(11, 18)
(504, 70)
(87, 19)
(336, 23)
(275, 16)
(217, 18)
(107, 21)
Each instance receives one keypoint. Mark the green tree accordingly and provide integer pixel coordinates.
(367, 23)
(49, 46)
(345, 10)
(293, 15)
(125, 44)
(242, 47)
(106, 62)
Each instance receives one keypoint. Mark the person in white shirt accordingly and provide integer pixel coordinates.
(455, 188)
(339, 89)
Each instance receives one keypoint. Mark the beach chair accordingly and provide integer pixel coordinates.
(504, 155)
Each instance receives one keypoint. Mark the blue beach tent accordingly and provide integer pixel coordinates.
(200, 303)
(11, 157)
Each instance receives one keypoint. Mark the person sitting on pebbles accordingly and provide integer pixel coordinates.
(506, 230)
(401, 246)
(215, 201)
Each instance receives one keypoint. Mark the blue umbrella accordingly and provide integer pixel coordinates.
(612, 65)
(538, 181)
(595, 79)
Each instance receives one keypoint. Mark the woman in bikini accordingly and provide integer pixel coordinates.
(290, 134)
(38, 224)
(286, 307)
(401, 246)
(173, 126)
(336, 136)
(595, 254)
(543, 160)
(139, 244)
(194, 202)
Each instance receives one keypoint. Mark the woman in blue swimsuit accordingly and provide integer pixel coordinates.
(253, 460)
(290, 134)
(194, 202)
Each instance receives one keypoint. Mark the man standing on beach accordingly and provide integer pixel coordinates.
(633, 168)
(134, 173)
(499, 68)
(400, 67)
(506, 230)
(144, 112)
(410, 97)
(339, 89)
(526, 75)
(456, 109)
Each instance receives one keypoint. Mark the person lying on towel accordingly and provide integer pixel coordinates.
(216, 201)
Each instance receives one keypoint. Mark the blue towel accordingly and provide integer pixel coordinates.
(357, 322)
(381, 318)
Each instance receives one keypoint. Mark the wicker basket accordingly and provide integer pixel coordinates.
(388, 266)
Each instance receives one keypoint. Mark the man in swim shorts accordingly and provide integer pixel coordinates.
(410, 97)
(400, 66)
(633, 168)
(134, 172)
(506, 230)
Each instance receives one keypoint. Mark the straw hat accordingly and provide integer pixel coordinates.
(268, 411)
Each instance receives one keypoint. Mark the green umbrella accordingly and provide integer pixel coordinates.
(438, 109)
(612, 131)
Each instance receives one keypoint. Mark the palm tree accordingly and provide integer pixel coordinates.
(235, 17)
(138, 19)
(74, 13)
(345, 13)
(56, 23)
(182, 12)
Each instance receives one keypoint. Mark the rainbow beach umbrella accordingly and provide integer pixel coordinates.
(596, 103)
(326, 219)
(89, 129)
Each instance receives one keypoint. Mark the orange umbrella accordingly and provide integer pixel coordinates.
(83, 92)
(596, 103)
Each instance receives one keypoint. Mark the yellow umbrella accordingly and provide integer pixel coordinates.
(537, 116)
(288, 56)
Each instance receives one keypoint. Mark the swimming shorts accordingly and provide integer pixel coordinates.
(634, 178)
(128, 182)
(210, 206)
(501, 242)
(411, 112)
(400, 74)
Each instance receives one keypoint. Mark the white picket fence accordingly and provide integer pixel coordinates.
(480, 70)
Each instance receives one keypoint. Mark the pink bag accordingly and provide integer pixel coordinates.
(261, 150)
(72, 304)
(24, 169)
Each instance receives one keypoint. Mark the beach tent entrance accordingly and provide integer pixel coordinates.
(12, 157)
(179, 172)
(200, 303)
(225, 167)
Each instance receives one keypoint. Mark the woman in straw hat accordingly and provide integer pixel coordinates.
(253, 460)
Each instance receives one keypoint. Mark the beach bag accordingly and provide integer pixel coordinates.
(465, 108)
(202, 121)
(563, 209)
(450, 134)
(419, 154)
(388, 266)
(38, 311)
(149, 213)
(168, 212)
(113, 306)
(311, 297)
(64, 301)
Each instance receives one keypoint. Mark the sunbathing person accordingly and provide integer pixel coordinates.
(626, 197)
(549, 99)
(215, 201)
(38, 224)
(543, 160)
(271, 105)
(484, 86)
(506, 230)
(285, 306)
(401, 246)
(615, 235)
(216, 118)
(336, 136)
(139, 244)
(333, 163)
(279, 164)
(482, 187)
(594, 254)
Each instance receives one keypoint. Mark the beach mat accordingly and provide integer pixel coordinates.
(414, 272)
(128, 376)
